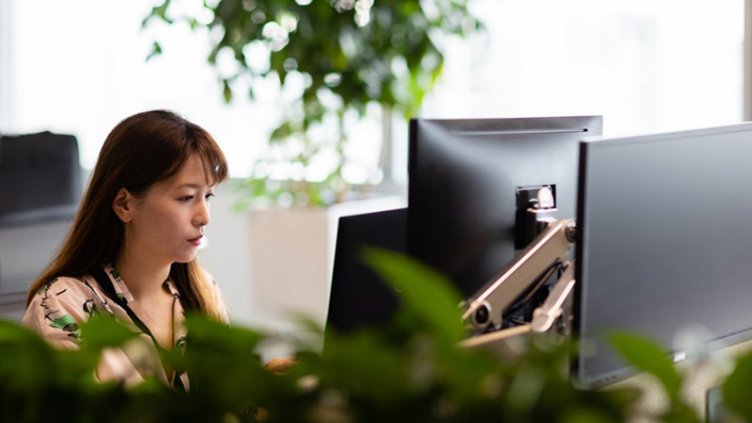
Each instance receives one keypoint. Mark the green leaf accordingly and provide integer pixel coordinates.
(226, 90)
(158, 11)
(156, 50)
(215, 335)
(735, 390)
(584, 414)
(648, 356)
(102, 331)
(27, 361)
(223, 363)
(365, 367)
(424, 292)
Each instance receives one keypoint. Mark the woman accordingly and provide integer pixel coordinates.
(131, 251)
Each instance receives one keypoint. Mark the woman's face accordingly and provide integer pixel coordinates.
(167, 223)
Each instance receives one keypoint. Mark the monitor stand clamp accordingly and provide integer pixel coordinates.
(484, 311)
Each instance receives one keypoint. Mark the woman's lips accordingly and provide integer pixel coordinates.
(196, 241)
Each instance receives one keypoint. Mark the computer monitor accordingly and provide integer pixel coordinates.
(359, 297)
(664, 244)
(465, 178)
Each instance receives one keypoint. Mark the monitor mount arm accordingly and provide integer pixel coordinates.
(484, 310)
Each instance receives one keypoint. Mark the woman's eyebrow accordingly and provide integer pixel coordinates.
(189, 185)
(193, 185)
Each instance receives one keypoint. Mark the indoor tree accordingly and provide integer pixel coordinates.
(338, 57)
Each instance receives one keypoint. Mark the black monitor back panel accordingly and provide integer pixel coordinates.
(665, 242)
(359, 298)
(464, 175)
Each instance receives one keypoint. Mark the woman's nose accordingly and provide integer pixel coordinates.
(202, 216)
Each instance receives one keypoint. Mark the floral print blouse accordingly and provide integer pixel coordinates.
(59, 307)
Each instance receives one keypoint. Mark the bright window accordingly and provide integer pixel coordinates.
(645, 65)
(78, 66)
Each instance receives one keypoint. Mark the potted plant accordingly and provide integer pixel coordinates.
(337, 62)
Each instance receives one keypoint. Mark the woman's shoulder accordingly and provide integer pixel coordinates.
(59, 306)
(66, 286)
(74, 294)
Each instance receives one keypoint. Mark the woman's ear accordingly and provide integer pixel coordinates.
(123, 205)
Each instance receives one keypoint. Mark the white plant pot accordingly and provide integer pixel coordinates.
(292, 255)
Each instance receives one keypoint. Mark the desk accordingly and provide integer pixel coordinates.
(25, 250)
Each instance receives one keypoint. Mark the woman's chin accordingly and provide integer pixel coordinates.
(187, 258)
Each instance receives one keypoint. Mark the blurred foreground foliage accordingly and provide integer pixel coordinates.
(413, 371)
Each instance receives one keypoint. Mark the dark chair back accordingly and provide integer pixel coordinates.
(40, 176)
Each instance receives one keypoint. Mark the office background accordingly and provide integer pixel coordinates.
(79, 67)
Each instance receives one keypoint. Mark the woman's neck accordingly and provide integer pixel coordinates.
(143, 277)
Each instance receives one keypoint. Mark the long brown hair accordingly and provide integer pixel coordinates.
(143, 149)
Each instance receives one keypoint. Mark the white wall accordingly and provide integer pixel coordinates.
(227, 255)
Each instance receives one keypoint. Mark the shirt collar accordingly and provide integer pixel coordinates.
(121, 289)
(170, 285)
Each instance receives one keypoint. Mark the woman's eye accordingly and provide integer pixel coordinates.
(186, 198)
(209, 196)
